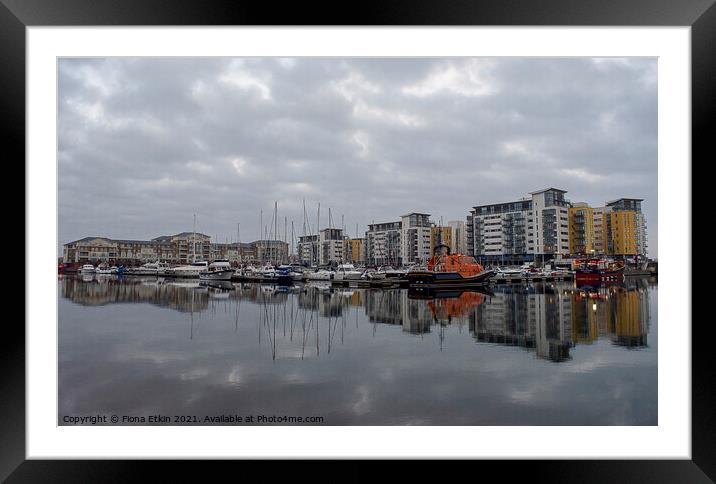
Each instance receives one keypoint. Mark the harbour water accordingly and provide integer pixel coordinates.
(536, 354)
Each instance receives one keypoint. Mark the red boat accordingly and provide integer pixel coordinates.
(447, 270)
(598, 270)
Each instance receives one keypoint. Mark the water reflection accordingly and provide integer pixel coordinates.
(548, 319)
(544, 354)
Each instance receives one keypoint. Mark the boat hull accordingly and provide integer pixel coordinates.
(284, 279)
(598, 276)
(351, 276)
(435, 280)
(216, 275)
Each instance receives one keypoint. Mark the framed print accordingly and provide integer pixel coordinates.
(271, 235)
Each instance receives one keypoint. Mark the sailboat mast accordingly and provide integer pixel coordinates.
(238, 241)
(304, 217)
(318, 229)
(193, 250)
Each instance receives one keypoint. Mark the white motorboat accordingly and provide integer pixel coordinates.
(219, 270)
(267, 273)
(508, 272)
(373, 275)
(392, 273)
(87, 269)
(191, 270)
(347, 272)
(250, 273)
(320, 275)
(148, 269)
(103, 269)
(297, 273)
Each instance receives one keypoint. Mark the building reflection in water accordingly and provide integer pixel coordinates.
(549, 319)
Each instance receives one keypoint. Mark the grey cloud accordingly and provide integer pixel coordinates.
(144, 143)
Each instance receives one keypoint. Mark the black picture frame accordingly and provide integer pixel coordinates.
(16, 15)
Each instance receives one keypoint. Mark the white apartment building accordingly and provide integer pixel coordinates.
(415, 238)
(331, 247)
(399, 243)
(533, 228)
(383, 244)
(308, 250)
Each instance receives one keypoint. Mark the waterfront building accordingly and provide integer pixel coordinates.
(272, 251)
(617, 229)
(626, 227)
(528, 229)
(581, 229)
(383, 243)
(459, 236)
(354, 250)
(308, 250)
(174, 249)
(599, 215)
(441, 236)
(547, 226)
(415, 235)
(331, 246)
(187, 246)
(182, 248)
(242, 253)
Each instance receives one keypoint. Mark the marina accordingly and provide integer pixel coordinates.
(394, 241)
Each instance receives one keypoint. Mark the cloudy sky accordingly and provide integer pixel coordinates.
(146, 143)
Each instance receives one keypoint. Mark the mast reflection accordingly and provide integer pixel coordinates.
(310, 320)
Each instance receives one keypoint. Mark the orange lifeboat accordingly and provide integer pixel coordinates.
(446, 270)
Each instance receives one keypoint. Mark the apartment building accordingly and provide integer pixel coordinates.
(383, 243)
(459, 236)
(524, 230)
(626, 227)
(618, 229)
(174, 249)
(415, 237)
(441, 236)
(354, 250)
(581, 229)
(271, 251)
(178, 249)
(308, 250)
(331, 246)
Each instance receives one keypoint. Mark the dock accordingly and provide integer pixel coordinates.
(520, 279)
(387, 283)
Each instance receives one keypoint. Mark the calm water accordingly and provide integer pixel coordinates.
(543, 354)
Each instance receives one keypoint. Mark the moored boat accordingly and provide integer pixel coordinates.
(191, 270)
(597, 270)
(390, 272)
(103, 269)
(347, 272)
(87, 269)
(219, 270)
(446, 270)
(320, 275)
(283, 275)
(148, 269)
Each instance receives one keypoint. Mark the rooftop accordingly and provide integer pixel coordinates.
(551, 189)
(625, 199)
